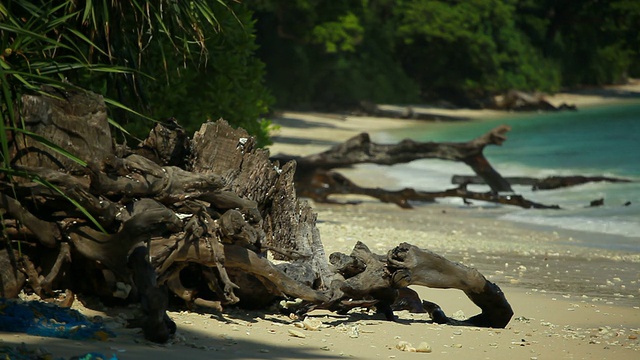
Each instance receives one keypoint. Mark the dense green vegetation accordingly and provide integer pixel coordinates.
(338, 53)
(228, 84)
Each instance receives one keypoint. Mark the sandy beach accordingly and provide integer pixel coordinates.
(570, 302)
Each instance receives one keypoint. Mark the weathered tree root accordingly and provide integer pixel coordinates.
(423, 267)
(382, 282)
(155, 323)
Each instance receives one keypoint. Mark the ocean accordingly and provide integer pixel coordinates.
(593, 141)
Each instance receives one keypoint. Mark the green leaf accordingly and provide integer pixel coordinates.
(121, 128)
(86, 40)
(88, 10)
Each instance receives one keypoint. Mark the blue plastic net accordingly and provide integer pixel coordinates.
(43, 319)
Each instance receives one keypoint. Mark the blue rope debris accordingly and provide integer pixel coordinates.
(43, 319)
(22, 352)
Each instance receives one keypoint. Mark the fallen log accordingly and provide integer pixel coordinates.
(360, 149)
(327, 183)
(315, 178)
(368, 108)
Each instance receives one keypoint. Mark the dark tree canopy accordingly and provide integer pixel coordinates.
(404, 51)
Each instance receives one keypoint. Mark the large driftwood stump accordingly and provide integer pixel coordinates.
(211, 220)
(56, 118)
(213, 207)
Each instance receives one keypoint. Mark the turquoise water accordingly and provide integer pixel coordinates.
(598, 141)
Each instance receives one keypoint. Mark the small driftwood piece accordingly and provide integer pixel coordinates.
(415, 266)
(382, 281)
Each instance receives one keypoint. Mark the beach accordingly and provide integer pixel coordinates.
(569, 301)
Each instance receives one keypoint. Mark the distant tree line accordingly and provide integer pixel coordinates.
(340, 52)
(205, 59)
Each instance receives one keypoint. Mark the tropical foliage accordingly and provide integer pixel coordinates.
(136, 54)
(229, 84)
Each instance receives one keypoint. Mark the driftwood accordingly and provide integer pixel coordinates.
(383, 281)
(548, 183)
(197, 218)
(512, 100)
(368, 108)
(326, 183)
(415, 266)
(515, 100)
(315, 178)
